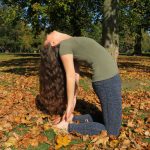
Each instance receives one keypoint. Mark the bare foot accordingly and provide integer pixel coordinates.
(62, 125)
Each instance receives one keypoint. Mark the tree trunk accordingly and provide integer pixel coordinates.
(76, 30)
(138, 39)
(110, 37)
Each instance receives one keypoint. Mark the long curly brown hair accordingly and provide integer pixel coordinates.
(52, 81)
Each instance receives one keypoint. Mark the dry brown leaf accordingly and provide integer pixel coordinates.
(46, 126)
(42, 138)
(102, 141)
(85, 137)
(147, 133)
(103, 133)
(90, 147)
(139, 130)
(17, 119)
(35, 130)
(1, 134)
(39, 121)
(113, 143)
(33, 142)
(125, 144)
(122, 135)
(130, 123)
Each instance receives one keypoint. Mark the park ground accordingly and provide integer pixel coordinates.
(23, 126)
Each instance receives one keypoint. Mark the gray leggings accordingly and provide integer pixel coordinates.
(109, 94)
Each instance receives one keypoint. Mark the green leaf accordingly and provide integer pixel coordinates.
(50, 134)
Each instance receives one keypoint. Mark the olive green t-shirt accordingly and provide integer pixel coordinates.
(86, 49)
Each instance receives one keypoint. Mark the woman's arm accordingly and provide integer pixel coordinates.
(76, 66)
(68, 63)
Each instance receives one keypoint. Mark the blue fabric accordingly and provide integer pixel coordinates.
(109, 94)
(83, 118)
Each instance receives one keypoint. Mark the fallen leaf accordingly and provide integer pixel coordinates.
(147, 133)
(62, 141)
(139, 130)
(33, 142)
(35, 130)
(17, 119)
(130, 123)
(39, 121)
(102, 141)
(122, 135)
(85, 137)
(113, 143)
(125, 144)
(46, 126)
(10, 142)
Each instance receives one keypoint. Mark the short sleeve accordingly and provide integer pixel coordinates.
(65, 48)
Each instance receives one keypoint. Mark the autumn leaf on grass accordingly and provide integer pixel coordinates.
(10, 142)
(139, 130)
(46, 126)
(5, 126)
(101, 139)
(25, 120)
(125, 144)
(122, 135)
(33, 142)
(39, 121)
(130, 123)
(62, 141)
(85, 137)
(114, 143)
(35, 130)
(17, 119)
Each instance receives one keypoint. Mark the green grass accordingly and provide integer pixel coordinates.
(42, 146)
(146, 140)
(50, 134)
(85, 85)
(4, 83)
(6, 57)
(21, 129)
(134, 84)
(126, 110)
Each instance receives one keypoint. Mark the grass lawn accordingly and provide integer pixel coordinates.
(23, 126)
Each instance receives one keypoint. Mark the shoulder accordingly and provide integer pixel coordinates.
(66, 47)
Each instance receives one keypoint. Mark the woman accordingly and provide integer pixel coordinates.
(105, 81)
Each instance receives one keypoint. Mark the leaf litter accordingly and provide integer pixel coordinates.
(18, 112)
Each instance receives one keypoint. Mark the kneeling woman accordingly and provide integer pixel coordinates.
(105, 81)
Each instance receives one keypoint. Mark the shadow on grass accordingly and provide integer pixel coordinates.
(132, 65)
(82, 106)
(22, 66)
(85, 107)
(29, 65)
(27, 55)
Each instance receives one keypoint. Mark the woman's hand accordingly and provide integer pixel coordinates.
(68, 114)
(56, 119)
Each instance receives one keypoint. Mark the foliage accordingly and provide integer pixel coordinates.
(69, 16)
(133, 17)
(146, 42)
(24, 23)
(16, 35)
